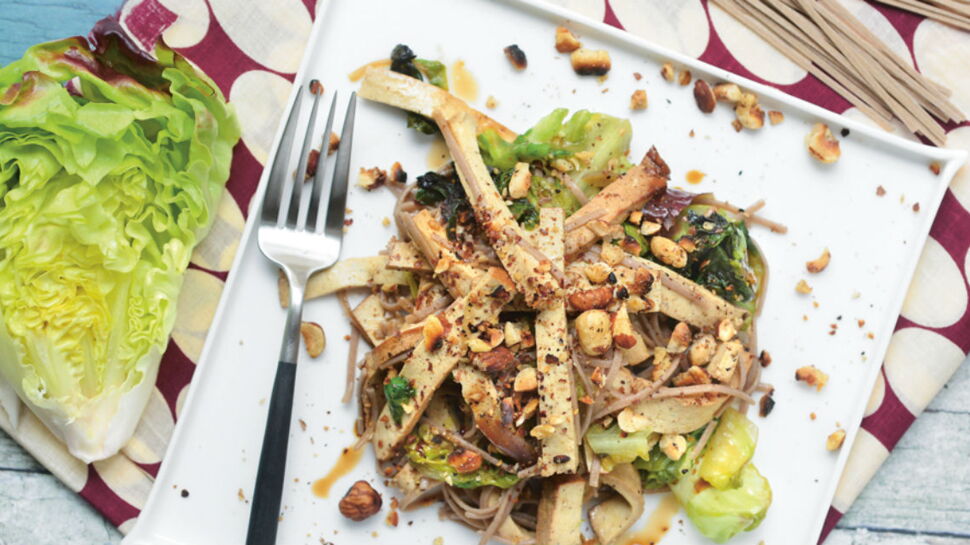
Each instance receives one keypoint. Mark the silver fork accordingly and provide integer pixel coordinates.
(293, 234)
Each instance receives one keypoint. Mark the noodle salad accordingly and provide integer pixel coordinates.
(555, 332)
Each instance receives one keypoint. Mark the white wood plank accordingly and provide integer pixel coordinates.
(924, 484)
(36, 509)
(955, 395)
(869, 537)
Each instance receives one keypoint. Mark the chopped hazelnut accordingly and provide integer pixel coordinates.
(766, 404)
(667, 71)
(566, 41)
(521, 181)
(612, 254)
(822, 145)
(737, 125)
(371, 178)
(631, 422)
(649, 228)
(726, 330)
(542, 431)
(333, 143)
(749, 113)
(590, 62)
(701, 350)
(835, 440)
(684, 77)
(880, 191)
(398, 175)
(516, 56)
(434, 332)
(935, 168)
(704, 96)
(775, 117)
(727, 92)
(495, 360)
(818, 264)
(668, 251)
(638, 100)
(360, 502)
(594, 329)
(673, 445)
(803, 287)
(491, 103)
(679, 339)
(598, 272)
(525, 380)
(313, 338)
(595, 298)
(812, 376)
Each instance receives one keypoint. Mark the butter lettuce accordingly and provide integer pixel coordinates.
(722, 514)
(111, 168)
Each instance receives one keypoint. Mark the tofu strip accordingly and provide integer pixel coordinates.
(438, 352)
(559, 519)
(404, 92)
(614, 203)
(557, 399)
(430, 237)
(531, 272)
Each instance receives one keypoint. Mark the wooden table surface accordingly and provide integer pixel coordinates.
(921, 496)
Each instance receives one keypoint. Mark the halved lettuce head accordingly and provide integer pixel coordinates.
(111, 168)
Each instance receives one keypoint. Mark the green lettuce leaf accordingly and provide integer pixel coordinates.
(722, 514)
(428, 453)
(617, 446)
(111, 169)
(730, 448)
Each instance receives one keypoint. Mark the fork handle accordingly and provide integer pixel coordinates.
(268, 494)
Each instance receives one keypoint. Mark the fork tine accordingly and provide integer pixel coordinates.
(338, 186)
(277, 174)
(293, 212)
(313, 211)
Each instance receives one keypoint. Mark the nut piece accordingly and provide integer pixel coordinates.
(673, 445)
(495, 360)
(822, 145)
(465, 461)
(749, 113)
(631, 422)
(812, 376)
(638, 100)
(667, 71)
(594, 330)
(398, 175)
(775, 117)
(542, 431)
(333, 143)
(726, 330)
(935, 167)
(516, 56)
(600, 297)
(521, 181)
(612, 254)
(803, 287)
(835, 440)
(526, 380)
(623, 334)
(360, 502)
(371, 178)
(704, 96)
(684, 77)
(590, 62)
(725, 360)
(566, 41)
(649, 228)
(818, 265)
(727, 92)
(491, 103)
(668, 251)
(513, 333)
(434, 334)
(737, 125)
(679, 339)
(693, 375)
(313, 338)
(701, 351)
(598, 272)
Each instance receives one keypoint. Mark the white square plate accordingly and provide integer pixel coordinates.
(875, 243)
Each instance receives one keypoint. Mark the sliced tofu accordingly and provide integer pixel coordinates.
(428, 366)
(560, 516)
(405, 256)
(557, 399)
(617, 514)
(430, 237)
(368, 317)
(355, 272)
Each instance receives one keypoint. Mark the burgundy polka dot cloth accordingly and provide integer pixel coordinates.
(253, 49)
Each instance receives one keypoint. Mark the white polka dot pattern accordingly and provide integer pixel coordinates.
(918, 363)
(196, 307)
(154, 430)
(866, 457)
(260, 98)
(752, 52)
(218, 248)
(271, 33)
(681, 26)
(937, 296)
(191, 25)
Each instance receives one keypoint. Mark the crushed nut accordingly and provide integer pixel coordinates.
(726, 330)
(312, 160)
(597, 273)
(360, 502)
(775, 117)
(516, 56)
(521, 181)
(638, 100)
(636, 217)
(679, 339)
(371, 178)
(649, 228)
(525, 380)
(566, 41)
(701, 351)
(668, 251)
(623, 334)
(822, 145)
(495, 360)
(465, 461)
(600, 297)
(684, 77)
(737, 125)
(397, 174)
(803, 287)
(590, 62)
(704, 96)
(513, 334)
(766, 404)
(631, 422)
(935, 168)
(727, 92)
(313, 338)
(835, 440)
(542, 431)
(491, 103)
(434, 333)
(812, 376)
(749, 113)
(333, 143)
(594, 329)
(725, 360)
(880, 191)
(667, 71)
(612, 254)
(693, 375)
(818, 264)
(673, 445)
